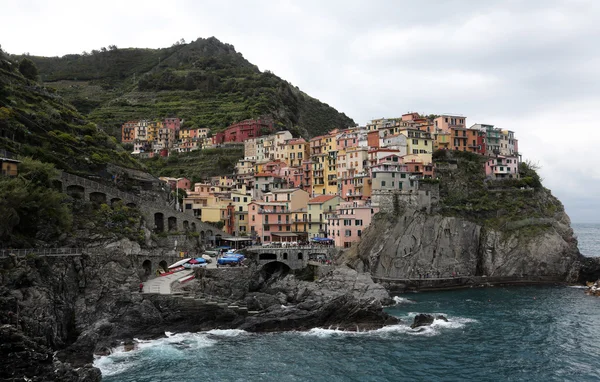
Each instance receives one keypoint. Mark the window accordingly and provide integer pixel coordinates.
(392, 184)
(358, 222)
(415, 141)
(403, 176)
(253, 218)
(359, 233)
(245, 199)
(383, 183)
(241, 217)
(241, 209)
(267, 228)
(415, 151)
(348, 233)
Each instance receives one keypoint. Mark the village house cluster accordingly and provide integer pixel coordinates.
(150, 138)
(288, 189)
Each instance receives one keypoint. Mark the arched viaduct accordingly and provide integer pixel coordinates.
(293, 257)
(158, 218)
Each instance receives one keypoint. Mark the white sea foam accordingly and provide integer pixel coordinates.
(402, 300)
(228, 332)
(434, 329)
(172, 345)
(577, 286)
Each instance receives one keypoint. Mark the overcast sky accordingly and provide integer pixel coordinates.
(528, 66)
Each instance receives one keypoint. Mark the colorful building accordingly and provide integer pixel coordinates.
(346, 225)
(318, 209)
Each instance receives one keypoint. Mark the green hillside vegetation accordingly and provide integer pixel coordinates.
(464, 191)
(206, 82)
(198, 165)
(36, 122)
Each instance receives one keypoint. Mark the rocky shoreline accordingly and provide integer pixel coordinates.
(59, 312)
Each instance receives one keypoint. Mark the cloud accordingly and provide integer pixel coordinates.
(529, 66)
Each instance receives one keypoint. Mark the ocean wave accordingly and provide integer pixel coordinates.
(227, 332)
(434, 329)
(577, 286)
(170, 346)
(402, 300)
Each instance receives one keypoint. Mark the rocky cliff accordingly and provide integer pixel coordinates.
(476, 227)
(56, 312)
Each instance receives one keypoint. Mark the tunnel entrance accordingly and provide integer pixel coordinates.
(274, 270)
(147, 267)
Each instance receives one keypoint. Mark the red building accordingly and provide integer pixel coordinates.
(128, 131)
(173, 124)
(239, 132)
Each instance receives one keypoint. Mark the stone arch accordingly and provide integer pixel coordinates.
(202, 236)
(300, 256)
(163, 264)
(147, 267)
(186, 225)
(285, 256)
(267, 256)
(131, 205)
(217, 238)
(76, 191)
(209, 233)
(98, 197)
(114, 201)
(159, 222)
(275, 269)
(172, 223)
(193, 227)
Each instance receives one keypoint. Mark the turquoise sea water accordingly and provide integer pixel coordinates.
(494, 334)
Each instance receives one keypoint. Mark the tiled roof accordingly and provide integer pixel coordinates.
(321, 199)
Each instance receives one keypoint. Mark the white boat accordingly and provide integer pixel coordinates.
(179, 263)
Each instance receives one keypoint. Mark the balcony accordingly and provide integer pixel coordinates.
(301, 220)
(273, 211)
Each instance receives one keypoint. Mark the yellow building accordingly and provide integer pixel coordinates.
(442, 141)
(152, 130)
(330, 163)
(419, 143)
(296, 151)
(318, 209)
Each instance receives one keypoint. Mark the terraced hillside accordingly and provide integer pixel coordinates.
(206, 82)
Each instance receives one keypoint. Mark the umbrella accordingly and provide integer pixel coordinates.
(180, 262)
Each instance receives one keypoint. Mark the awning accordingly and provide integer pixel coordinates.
(321, 239)
(180, 262)
(284, 234)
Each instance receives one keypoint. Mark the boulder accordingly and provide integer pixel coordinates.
(422, 320)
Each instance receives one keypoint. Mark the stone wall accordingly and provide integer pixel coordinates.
(426, 197)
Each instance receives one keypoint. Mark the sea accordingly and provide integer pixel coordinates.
(536, 333)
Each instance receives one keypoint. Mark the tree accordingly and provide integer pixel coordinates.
(112, 47)
(28, 69)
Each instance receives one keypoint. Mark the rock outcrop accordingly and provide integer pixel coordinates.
(417, 244)
(422, 320)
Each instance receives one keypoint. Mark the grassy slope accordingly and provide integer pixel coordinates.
(36, 122)
(206, 82)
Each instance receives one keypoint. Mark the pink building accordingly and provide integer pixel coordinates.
(270, 221)
(181, 183)
(347, 224)
(502, 167)
(446, 122)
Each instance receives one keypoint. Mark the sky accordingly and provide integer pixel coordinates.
(529, 66)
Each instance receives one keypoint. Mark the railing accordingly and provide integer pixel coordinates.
(41, 252)
(317, 247)
(7, 154)
(263, 211)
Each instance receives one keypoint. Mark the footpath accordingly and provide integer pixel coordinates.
(162, 284)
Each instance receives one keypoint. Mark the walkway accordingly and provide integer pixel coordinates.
(162, 284)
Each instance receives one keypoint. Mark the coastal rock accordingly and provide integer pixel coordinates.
(24, 358)
(426, 245)
(422, 320)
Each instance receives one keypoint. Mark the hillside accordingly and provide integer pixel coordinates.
(37, 122)
(205, 82)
